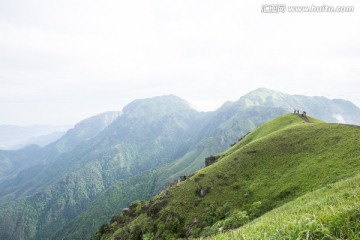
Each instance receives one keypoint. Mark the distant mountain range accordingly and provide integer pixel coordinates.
(67, 189)
(15, 137)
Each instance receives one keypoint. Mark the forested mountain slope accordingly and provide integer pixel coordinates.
(67, 189)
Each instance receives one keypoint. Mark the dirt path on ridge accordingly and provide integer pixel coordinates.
(304, 118)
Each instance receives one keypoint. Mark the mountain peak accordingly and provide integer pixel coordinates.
(263, 92)
(262, 97)
(166, 104)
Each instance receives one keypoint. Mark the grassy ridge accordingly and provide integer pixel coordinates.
(332, 212)
(273, 170)
(270, 127)
(277, 163)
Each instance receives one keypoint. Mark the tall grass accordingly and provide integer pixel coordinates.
(332, 212)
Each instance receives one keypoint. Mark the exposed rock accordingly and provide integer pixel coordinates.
(202, 191)
(144, 208)
(155, 207)
(210, 160)
(133, 206)
(174, 183)
(182, 178)
(126, 211)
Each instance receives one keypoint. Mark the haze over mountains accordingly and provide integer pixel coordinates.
(278, 162)
(15, 137)
(68, 188)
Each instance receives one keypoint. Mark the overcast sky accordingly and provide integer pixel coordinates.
(63, 61)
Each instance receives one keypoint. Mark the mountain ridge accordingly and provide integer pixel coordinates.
(154, 141)
(262, 171)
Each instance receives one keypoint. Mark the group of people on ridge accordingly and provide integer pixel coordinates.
(297, 111)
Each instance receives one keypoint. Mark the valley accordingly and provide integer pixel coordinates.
(71, 187)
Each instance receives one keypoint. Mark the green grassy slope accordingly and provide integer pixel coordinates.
(148, 146)
(332, 212)
(220, 131)
(280, 161)
(157, 140)
(270, 127)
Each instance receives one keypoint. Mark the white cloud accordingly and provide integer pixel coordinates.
(61, 61)
(339, 118)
